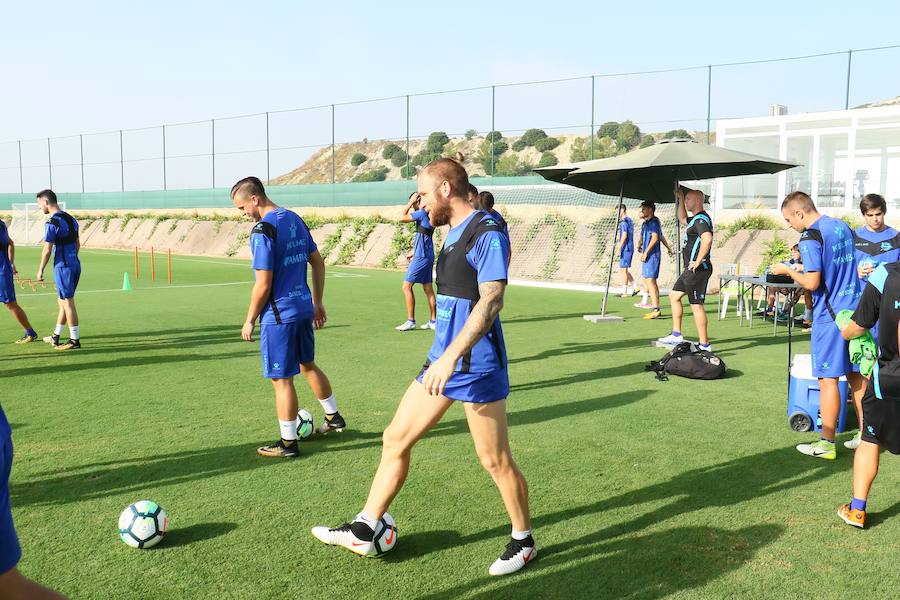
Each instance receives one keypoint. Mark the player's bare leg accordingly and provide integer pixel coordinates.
(700, 321)
(19, 315)
(321, 388)
(286, 411)
(15, 586)
(60, 325)
(865, 469)
(432, 301)
(67, 308)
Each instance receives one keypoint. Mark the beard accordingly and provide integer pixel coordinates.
(439, 213)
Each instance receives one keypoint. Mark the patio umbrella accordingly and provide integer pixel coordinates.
(652, 173)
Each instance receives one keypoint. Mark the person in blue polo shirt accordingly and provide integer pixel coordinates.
(288, 311)
(467, 363)
(625, 250)
(61, 239)
(8, 285)
(13, 585)
(829, 272)
(874, 244)
(421, 264)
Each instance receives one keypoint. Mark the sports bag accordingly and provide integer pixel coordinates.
(687, 360)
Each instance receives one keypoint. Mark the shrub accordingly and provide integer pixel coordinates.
(436, 142)
(493, 136)
(532, 136)
(470, 134)
(774, 251)
(546, 144)
(379, 174)
(751, 222)
(389, 151)
(628, 136)
(548, 159)
(647, 140)
(519, 145)
(581, 150)
(399, 158)
(609, 129)
(358, 159)
(408, 172)
(677, 133)
(511, 166)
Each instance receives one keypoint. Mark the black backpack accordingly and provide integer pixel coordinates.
(687, 360)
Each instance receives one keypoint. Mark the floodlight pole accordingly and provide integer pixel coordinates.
(612, 254)
(708, 100)
(49, 163)
(847, 92)
(212, 127)
(21, 185)
(592, 117)
(165, 182)
(407, 138)
(332, 144)
(493, 114)
(81, 155)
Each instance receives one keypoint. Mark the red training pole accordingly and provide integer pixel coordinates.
(152, 265)
(170, 266)
(137, 274)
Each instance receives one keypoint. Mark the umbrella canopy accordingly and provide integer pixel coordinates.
(650, 173)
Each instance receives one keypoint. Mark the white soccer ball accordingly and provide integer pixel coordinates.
(304, 424)
(385, 535)
(143, 524)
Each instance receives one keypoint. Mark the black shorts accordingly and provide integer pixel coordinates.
(881, 418)
(693, 284)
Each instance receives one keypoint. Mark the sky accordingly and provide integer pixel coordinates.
(84, 67)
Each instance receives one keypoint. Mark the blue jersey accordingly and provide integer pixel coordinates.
(626, 227)
(503, 224)
(488, 257)
(876, 247)
(826, 247)
(423, 244)
(281, 243)
(61, 230)
(4, 247)
(651, 226)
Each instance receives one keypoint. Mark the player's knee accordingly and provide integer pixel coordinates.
(494, 462)
(394, 442)
(308, 368)
(407, 286)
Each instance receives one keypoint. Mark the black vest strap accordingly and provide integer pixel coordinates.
(424, 230)
(70, 238)
(455, 276)
(271, 232)
(816, 235)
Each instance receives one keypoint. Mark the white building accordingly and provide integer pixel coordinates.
(843, 155)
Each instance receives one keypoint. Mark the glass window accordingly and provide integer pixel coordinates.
(832, 171)
(752, 191)
(800, 151)
(877, 164)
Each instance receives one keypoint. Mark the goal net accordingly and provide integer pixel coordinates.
(27, 225)
(564, 235)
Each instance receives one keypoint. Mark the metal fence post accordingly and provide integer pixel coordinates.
(122, 159)
(493, 111)
(81, 154)
(708, 100)
(165, 183)
(592, 116)
(21, 186)
(49, 163)
(407, 138)
(212, 127)
(847, 92)
(332, 143)
(268, 152)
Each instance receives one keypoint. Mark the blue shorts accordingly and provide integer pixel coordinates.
(650, 269)
(830, 351)
(478, 388)
(10, 551)
(66, 279)
(419, 270)
(625, 259)
(7, 287)
(285, 346)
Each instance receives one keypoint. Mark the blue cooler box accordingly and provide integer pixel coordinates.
(803, 397)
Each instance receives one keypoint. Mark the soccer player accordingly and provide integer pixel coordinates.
(695, 252)
(881, 401)
(826, 246)
(625, 249)
(8, 286)
(13, 585)
(61, 232)
(421, 264)
(874, 244)
(467, 363)
(471, 193)
(282, 246)
(485, 202)
(651, 257)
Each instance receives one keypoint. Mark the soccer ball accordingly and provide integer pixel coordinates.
(385, 535)
(304, 424)
(143, 524)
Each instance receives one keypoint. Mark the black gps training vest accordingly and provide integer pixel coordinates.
(70, 238)
(429, 231)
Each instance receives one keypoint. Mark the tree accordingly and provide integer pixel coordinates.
(358, 159)
(470, 133)
(389, 151)
(511, 166)
(436, 142)
(494, 136)
(628, 136)
(609, 129)
(398, 159)
(548, 159)
(545, 144)
(408, 173)
(489, 153)
(581, 150)
(519, 145)
(605, 148)
(531, 136)
(677, 133)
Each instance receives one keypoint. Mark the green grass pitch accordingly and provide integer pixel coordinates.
(639, 489)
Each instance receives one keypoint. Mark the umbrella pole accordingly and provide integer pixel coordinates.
(678, 231)
(612, 254)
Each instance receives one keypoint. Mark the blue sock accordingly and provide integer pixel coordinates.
(676, 333)
(31, 332)
(827, 440)
(857, 504)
